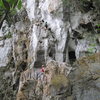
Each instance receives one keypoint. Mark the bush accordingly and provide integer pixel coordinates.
(59, 81)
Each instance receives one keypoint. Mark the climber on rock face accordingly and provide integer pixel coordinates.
(40, 73)
(42, 68)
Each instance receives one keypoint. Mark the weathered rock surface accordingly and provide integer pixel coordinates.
(53, 84)
(46, 30)
(85, 78)
(5, 44)
(62, 82)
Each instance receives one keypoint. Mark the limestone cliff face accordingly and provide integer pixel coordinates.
(53, 84)
(44, 31)
(49, 32)
(62, 82)
(55, 30)
(5, 44)
(60, 28)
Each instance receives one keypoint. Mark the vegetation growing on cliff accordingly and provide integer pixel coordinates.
(8, 9)
(59, 80)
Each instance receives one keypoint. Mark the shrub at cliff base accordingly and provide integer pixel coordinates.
(59, 81)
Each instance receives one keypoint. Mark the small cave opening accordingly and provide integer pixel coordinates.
(87, 26)
(72, 56)
(52, 53)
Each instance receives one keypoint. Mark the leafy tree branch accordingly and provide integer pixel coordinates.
(7, 7)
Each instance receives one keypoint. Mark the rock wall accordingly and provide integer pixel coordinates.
(85, 78)
(53, 84)
(60, 27)
(5, 44)
(46, 30)
(60, 81)
(55, 30)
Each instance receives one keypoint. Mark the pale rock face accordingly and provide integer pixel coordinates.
(44, 31)
(5, 45)
(50, 32)
(4, 51)
(47, 32)
(81, 47)
(52, 16)
(20, 26)
(76, 19)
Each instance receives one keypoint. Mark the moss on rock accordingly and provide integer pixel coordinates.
(59, 81)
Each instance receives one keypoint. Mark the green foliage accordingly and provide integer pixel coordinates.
(59, 80)
(19, 4)
(9, 35)
(66, 2)
(92, 45)
(98, 25)
(7, 8)
(10, 4)
(91, 48)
